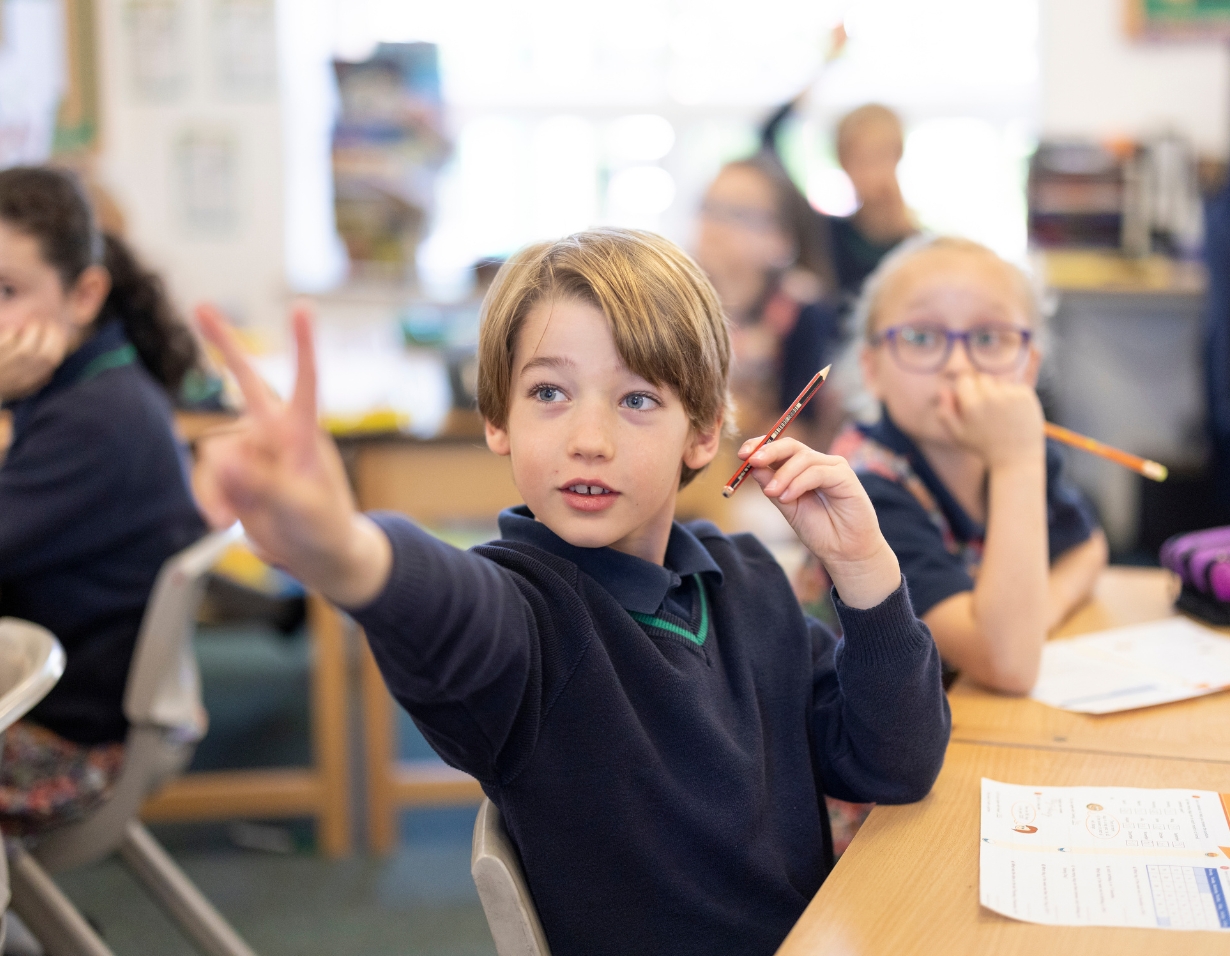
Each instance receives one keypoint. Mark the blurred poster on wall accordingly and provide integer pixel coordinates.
(78, 122)
(157, 52)
(245, 47)
(1179, 19)
(207, 181)
(31, 78)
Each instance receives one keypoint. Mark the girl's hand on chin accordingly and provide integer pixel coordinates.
(825, 504)
(29, 356)
(999, 421)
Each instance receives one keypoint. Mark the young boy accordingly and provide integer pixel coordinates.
(870, 144)
(644, 701)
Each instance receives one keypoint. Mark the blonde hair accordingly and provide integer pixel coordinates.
(871, 116)
(665, 317)
(863, 316)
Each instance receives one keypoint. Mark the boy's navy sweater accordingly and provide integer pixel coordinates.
(93, 498)
(666, 796)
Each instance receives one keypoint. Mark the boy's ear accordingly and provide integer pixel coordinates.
(703, 446)
(497, 438)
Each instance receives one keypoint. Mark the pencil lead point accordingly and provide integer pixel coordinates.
(824, 372)
(1154, 470)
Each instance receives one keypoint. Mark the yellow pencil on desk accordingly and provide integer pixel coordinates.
(788, 416)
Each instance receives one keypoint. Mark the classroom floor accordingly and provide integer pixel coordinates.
(418, 902)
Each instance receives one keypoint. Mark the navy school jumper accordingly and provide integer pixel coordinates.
(658, 739)
(93, 499)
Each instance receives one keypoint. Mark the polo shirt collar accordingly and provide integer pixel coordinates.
(886, 432)
(637, 585)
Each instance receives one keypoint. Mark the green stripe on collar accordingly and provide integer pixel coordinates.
(116, 358)
(652, 620)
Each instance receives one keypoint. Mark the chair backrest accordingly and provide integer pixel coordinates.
(496, 868)
(164, 686)
(31, 661)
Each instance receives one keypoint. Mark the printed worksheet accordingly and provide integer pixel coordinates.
(1106, 856)
(1138, 666)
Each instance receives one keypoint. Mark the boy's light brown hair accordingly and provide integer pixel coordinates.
(665, 317)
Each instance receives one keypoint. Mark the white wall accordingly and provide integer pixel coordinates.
(209, 216)
(1098, 82)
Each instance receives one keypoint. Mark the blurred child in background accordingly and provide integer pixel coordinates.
(766, 252)
(94, 493)
(870, 143)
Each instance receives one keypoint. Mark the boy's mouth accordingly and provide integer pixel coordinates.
(588, 495)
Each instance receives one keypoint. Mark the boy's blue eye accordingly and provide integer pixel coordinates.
(547, 393)
(639, 401)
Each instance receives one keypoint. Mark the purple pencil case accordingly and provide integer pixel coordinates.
(1201, 559)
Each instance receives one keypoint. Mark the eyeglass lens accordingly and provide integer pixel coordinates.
(925, 348)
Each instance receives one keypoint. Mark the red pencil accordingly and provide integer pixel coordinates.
(805, 396)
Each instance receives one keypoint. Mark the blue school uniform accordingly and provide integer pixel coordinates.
(94, 497)
(937, 543)
(659, 739)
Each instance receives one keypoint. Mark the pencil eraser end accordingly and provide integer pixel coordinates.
(1155, 471)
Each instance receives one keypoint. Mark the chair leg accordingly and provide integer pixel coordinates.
(194, 914)
(48, 913)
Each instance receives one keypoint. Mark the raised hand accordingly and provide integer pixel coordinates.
(29, 356)
(282, 477)
(825, 504)
(997, 420)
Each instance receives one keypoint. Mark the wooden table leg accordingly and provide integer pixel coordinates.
(329, 725)
(380, 754)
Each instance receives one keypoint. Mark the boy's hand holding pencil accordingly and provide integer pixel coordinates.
(282, 477)
(825, 504)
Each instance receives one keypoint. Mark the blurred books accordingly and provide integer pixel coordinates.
(388, 146)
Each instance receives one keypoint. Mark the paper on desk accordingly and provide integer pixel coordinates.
(1137, 666)
(1106, 856)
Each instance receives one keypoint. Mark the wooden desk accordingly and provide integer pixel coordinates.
(909, 882)
(1196, 729)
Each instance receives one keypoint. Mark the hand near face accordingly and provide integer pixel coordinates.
(279, 475)
(825, 504)
(1000, 421)
(29, 356)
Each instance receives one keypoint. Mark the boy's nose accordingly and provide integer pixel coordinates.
(591, 437)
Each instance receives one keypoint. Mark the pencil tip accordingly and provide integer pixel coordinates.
(824, 372)
(1154, 470)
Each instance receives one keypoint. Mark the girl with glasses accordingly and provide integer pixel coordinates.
(996, 548)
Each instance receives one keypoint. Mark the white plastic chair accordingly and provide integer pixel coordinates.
(31, 661)
(496, 868)
(162, 702)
